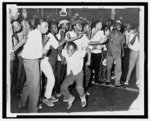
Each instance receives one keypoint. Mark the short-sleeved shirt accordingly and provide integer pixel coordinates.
(52, 42)
(33, 47)
(75, 62)
(136, 44)
(99, 36)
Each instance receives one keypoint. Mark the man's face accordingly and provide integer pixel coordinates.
(65, 26)
(24, 13)
(99, 25)
(44, 27)
(70, 50)
(118, 26)
(87, 28)
(54, 29)
(128, 26)
(16, 26)
(78, 27)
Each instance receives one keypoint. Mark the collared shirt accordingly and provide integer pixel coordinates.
(33, 47)
(99, 36)
(127, 36)
(81, 43)
(136, 44)
(52, 42)
(75, 62)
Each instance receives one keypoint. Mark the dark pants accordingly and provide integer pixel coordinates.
(125, 64)
(31, 87)
(60, 75)
(20, 74)
(53, 59)
(104, 73)
(95, 65)
(12, 77)
(69, 80)
(87, 76)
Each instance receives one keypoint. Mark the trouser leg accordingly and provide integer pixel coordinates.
(118, 70)
(132, 63)
(69, 80)
(87, 75)
(96, 65)
(79, 84)
(32, 86)
(47, 70)
(110, 61)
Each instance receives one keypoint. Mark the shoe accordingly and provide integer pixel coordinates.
(119, 86)
(83, 101)
(65, 100)
(53, 99)
(58, 95)
(48, 102)
(70, 102)
(40, 106)
(107, 82)
(126, 83)
(87, 93)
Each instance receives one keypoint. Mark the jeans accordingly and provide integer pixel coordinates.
(69, 80)
(31, 87)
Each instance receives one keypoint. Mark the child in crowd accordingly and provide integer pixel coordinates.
(74, 60)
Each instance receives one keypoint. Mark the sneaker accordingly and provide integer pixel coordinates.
(53, 99)
(126, 83)
(83, 101)
(40, 106)
(87, 93)
(70, 102)
(48, 102)
(65, 100)
(58, 95)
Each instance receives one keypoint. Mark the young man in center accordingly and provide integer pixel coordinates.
(74, 59)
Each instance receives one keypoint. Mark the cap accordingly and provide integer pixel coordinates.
(118, 21)
(63, 22)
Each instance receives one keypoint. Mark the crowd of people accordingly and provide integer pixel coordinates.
(52, 56)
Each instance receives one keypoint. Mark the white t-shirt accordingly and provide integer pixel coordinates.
(99, 36)
(81, 43)
(75, 62)
(33, 47)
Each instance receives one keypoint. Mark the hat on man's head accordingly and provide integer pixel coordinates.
(63, 22)
(118, 21)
